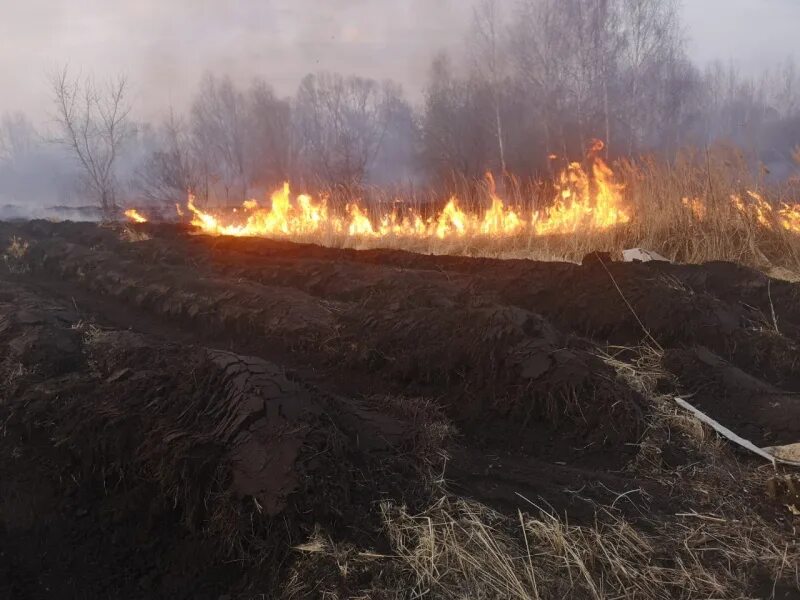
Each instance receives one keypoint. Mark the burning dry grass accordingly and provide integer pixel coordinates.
(695, 213)
(129, 234)
(135, 216)
(689, 213)
(701, 208)
(14, 255)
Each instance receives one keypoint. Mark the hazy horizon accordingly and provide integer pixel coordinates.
(165, 48)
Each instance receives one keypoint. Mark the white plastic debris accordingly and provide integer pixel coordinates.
(786, 455)
(789, 452)
(642, 255)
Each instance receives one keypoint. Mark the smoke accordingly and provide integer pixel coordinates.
(167, 47)
(752, 35)
(405, 122)
(28, 211)
(32, 171)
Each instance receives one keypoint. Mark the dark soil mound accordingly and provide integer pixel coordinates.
(756, 410)
(176, 445)
(180, 412)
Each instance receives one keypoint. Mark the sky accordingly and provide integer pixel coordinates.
(165, 46)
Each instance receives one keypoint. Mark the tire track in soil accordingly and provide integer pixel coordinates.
(342, 346)
(504, 360)
(209, 455)
(718, 306)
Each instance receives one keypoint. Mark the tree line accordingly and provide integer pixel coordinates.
(536, 79)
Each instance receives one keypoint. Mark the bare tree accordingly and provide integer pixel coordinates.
(171, 170)
(652, 34)
(782, 87)
(456, 136)
(17, 137)
(219, 127)
(341, 123)
(395, 157)
(270, 143)
(490, 62)
(93, 123)
(602, 68)
(540, 50)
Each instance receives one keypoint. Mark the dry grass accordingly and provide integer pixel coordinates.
(129, 234)
(335, 571)
(720, 549)
(461, 549)
(664, 223)
(14, 255)
(711, 541)
(661, 220)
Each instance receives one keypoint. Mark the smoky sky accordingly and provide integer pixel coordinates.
(165, 46)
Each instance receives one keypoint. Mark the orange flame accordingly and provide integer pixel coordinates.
(753, 209)
(578, 206)
(583, 200)
(696, 206)
(135, 216)
(789, 217)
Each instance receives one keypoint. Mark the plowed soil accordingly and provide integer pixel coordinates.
(179, 412)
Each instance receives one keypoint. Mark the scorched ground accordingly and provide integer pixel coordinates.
(187, 416)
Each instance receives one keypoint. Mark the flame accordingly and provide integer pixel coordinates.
(761, 209)
(578, 206)
(595, 147)
(359, 221)
(452, 220)
(789, 217)
(135, 216)
(753, 209)
(697, 207)
(583, 200)
(499, 220)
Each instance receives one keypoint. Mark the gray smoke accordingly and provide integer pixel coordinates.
(229, 100)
